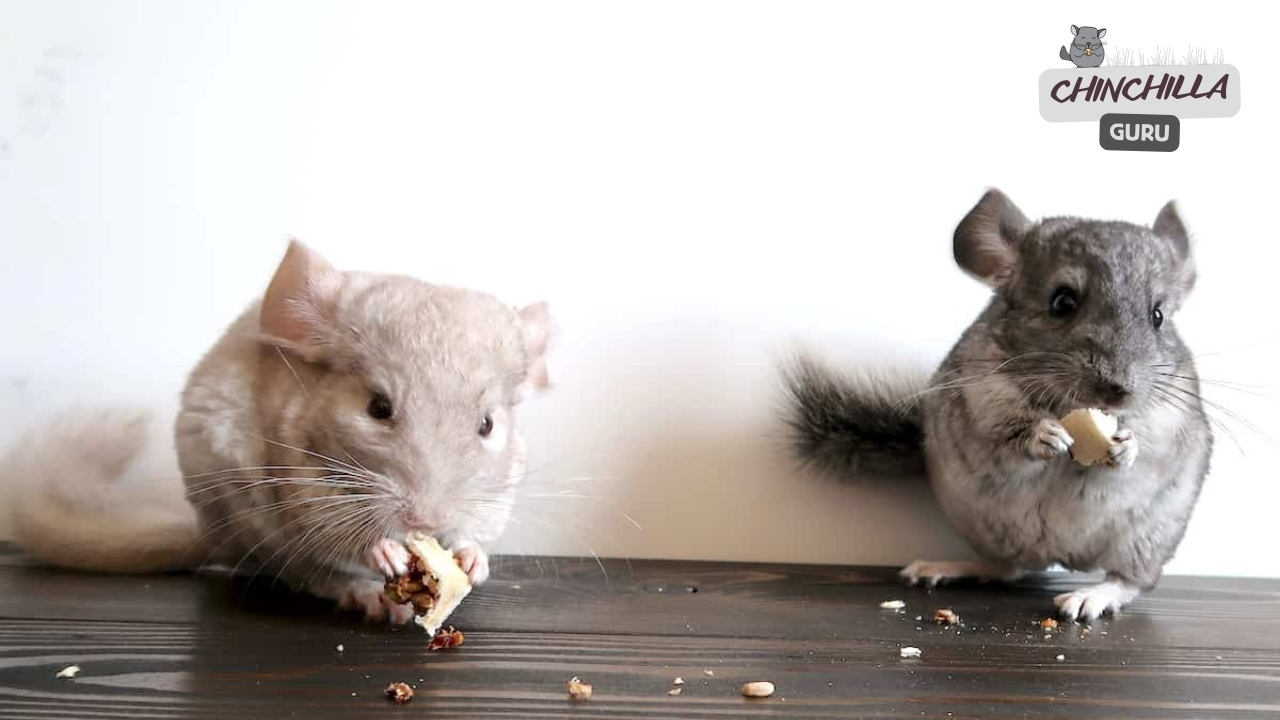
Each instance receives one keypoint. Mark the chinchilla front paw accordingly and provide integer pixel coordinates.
(1125, 450)
(1048, 440)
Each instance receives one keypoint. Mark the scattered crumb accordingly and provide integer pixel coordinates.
(1048, 636)
(910, 652)
(341, 649)
(69, 671)
(399, 693)
(1048, 624)
(892, 605)
(946, 615)
(674, 691)
(678, 681)
(1060, 658)
(919, 618)
(446, 638)
(758, 689)
(579, 690)
(709, 673)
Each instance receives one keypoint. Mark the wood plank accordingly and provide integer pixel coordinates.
(248, 668)
(679, 598)
(186, 646)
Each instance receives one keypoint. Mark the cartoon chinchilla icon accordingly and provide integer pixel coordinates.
(1086, 49)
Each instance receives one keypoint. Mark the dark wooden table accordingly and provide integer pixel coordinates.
(180, 646)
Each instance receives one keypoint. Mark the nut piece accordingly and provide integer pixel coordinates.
(579, 690)
(69, 671)
(446, 638)
(946, 616)
(758, 689)
(1092, 430)
(399, 693)
(1048, 624)
(892, 605)
(909, 652)
(674, 691)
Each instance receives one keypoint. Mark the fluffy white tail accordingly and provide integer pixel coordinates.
(100, 490)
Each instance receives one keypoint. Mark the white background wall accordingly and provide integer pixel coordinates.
(693, 186)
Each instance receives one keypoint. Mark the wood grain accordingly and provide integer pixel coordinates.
(183, 646)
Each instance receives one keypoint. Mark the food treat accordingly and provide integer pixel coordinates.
(759, 689)
(434, 584)
(1092, 431)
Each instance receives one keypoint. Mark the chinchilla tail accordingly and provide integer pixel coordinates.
(853, 427)
(99, 490)
(1062, 53)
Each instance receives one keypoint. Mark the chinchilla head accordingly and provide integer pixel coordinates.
(1083, 311)
(405, 390)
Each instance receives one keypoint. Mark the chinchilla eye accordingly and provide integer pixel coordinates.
(486, 425)
(380, 407)
(1157, 317)
(1063, 302)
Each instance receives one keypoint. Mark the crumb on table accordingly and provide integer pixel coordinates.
(579, 690)
(399, 693)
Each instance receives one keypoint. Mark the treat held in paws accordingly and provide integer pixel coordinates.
(1093, 432)
(433, 583)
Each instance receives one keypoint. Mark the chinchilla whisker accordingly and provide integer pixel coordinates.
(333, 477)
(319, 534)
(294, 468)
(322, 533)
(1227, 385)
(293, 372)
(298, 502)
(267, 512)
(305, 517)
(357, 535)
(1219, 408)
(1187, 406)
(603, 572)
(565, 495)
(960, 384)
(319, 456)
(241, 483)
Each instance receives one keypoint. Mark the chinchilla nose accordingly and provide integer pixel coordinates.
(1113, 393)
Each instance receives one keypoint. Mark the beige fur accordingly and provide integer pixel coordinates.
(287, 468)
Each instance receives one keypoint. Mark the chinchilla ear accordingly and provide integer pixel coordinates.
(536, 329)
(1075, 30)
(300, 301)
(1169, 225)
(1102, 32)
(986, 240)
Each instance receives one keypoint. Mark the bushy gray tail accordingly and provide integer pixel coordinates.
(845, 426)
(1062, 53)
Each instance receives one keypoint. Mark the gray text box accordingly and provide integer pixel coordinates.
(1083, 95)
(1143, 133)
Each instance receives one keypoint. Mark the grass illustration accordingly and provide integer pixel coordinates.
(1128, 57)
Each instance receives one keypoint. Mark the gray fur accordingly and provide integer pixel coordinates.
(993, 447)
(871, 426)
(1086, 48)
